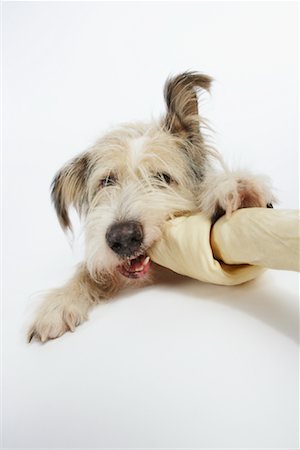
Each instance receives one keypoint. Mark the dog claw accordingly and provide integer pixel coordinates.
(219, 212)
(30, 337)
(34, 335)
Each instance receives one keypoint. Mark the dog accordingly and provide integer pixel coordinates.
(125, 188)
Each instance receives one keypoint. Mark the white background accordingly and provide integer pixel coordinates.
(180, 364)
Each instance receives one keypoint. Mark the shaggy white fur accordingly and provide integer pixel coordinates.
(125, 187)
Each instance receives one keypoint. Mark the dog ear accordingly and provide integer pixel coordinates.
(180, 95)
(69, 188)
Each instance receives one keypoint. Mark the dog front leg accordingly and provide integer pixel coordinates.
(67, 307)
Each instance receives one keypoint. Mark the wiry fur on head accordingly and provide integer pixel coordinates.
(153, 170)
(137, 157)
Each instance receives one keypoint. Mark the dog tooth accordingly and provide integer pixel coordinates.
(146, 260)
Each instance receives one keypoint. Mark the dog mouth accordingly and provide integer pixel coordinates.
(135, 267)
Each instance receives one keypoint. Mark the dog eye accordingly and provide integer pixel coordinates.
(165, 177)
(110, 180)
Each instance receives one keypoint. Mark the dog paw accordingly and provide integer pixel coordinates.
(225, 193)
(247, 193)
(54, 320)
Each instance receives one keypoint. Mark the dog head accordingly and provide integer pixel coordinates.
(135, 178)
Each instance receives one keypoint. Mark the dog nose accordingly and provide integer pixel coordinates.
(125, 238)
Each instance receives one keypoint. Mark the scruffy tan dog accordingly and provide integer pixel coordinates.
(125, 187)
